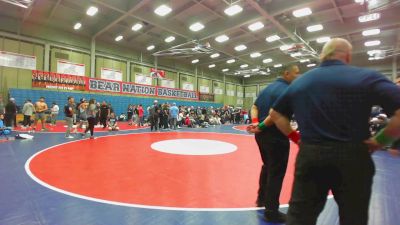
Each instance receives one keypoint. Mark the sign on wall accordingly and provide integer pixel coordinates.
(239, 101)
(251, 95)
(240, 94)
(206, 97)
(66, 67)
(101, 85)
(167, 83)
(230, 92)
(19, 61)
(143, 79)
(111, 74)
(52, 80)
(204, 89)
(187, 86)
(218, 91)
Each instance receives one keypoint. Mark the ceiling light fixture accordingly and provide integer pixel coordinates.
(162, 10)
(372, 43)
(215, 55)
(92, 11)
(311, 65)
(248, 75)
(255, 54)
(233, 10)
(267, 60)
(273, 38)
(244, 66)
(150, 47)
(194, 61)
(256, 26)
(255, 70)
(314, 28)
(371, 32)
(170, 39)
(285, 47)
(119, 37)
(196, 26)
(211, 66)
(277, 65)
(296, 54)
(137, 27)
(369, 17)
(231, 61)
(302, 12)
(323, 39)
(225, 70)
(240, 48)
(77, 26)
(304, 60)
(222, 38)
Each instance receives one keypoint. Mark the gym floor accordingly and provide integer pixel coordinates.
(191, 176)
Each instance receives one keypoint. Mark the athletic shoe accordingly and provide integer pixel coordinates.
(274, 216)
(69, 137)
(91, 137)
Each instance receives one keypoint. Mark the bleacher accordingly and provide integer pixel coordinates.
(119, 103)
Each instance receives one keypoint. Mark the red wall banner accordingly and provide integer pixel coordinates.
(41, 79)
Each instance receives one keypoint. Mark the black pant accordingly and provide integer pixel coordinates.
(27, 120)
(154, 123)
(103, 121)
(91, 122)
(345, 168)
(9, 120)
(396, 144)
(274, 152)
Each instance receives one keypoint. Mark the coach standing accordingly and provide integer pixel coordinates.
(332, 104)
(273, 146)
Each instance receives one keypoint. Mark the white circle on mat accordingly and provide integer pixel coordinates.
(194, 147)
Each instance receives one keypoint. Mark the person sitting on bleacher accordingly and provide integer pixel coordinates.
(112, 123)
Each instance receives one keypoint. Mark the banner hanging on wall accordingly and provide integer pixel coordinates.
(65, 67)
(143, 79)
(94, 84)
(187, 86)
(218, 91)
(204, 89)
(19, 61)
(206, 97)
(167, 83)
(52, 80)
(230, 92)
(111, 74)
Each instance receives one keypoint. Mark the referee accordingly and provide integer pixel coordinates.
(273, 146)
(332, 104)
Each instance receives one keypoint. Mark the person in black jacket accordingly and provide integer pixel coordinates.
(11, 112)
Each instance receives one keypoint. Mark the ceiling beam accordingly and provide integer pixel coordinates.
(135, 7)
(52, 11)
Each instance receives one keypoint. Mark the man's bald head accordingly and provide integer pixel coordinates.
(337, 48)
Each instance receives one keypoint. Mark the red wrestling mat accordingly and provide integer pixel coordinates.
(240, 127)
(126, 170)
(60, 127)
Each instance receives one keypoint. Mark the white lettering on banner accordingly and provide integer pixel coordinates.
(138, 89)
(143, 79)
(111, 74)
(104, 85)
(218, 91)
(65, 67)
(174, 93)
(15, 60)
(204, 89)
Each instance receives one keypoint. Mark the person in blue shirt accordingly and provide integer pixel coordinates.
(173, 112)
(332, 105)
(273, 146)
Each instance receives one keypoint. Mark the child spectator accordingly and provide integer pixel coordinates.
(112, 123)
